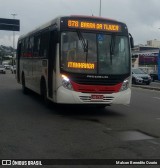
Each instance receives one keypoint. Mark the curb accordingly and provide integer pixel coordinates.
(147, 87)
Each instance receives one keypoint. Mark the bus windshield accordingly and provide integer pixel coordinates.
(90, 53)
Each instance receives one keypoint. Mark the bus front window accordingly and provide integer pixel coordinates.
(79, 52)
(98, 54)
(113, 52)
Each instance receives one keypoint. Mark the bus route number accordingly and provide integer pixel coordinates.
(73, 23)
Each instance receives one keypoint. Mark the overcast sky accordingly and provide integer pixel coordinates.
(142, 17)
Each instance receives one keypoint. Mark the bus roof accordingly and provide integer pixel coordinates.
(56, 20)
(93, 17)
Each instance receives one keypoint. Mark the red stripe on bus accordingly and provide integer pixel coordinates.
(96, 88)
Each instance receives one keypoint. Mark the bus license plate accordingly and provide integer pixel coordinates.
(96, 97)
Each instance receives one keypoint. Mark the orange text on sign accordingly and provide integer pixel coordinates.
(80, 65)
(94, 25)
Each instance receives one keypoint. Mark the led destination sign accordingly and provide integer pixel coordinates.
(81, 65)
(94, 25)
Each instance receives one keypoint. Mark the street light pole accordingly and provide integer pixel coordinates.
(14, 31)
(100, 8)
(13, 39)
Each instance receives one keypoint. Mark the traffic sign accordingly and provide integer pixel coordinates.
(9, 24)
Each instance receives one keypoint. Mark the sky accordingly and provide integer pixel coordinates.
(141, 17)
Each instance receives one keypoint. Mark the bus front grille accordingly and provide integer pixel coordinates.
(106, 99)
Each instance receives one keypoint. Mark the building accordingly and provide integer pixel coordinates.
(153, 43)
(145, 57)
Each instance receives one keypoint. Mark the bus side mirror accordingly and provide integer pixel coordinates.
(131, 40)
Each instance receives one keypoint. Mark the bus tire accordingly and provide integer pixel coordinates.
(44, 93)
(24, 89)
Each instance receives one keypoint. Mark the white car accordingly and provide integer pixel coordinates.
(7, 66)
(2, 69)
(140, 77)
(13, 69)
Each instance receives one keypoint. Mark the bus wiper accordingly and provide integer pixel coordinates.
(112, 45)
(83, 41)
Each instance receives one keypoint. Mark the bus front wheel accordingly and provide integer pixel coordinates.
(24, 89)
(44, 93)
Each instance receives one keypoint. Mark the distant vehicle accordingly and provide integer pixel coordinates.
(7, 66)
(140, 77)
(2, 69)
(13, 69)
(154, 75)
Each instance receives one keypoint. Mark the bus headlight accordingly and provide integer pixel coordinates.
(66, 82)
(125, 84)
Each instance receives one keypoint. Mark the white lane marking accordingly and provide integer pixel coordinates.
(156, 98)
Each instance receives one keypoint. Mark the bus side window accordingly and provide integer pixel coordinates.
(30, 46)
(36, 46)
(22, 49)
(25, 47)
(44, 46)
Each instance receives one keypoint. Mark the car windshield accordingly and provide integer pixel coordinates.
(1, 66)
(90, 53)
(138, 71)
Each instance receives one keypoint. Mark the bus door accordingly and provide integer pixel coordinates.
(52, 62)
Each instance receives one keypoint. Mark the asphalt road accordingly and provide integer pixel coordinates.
(30, 130)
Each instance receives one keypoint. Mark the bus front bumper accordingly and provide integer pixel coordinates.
(66, 96)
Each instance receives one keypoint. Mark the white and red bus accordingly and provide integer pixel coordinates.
(77, 60)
